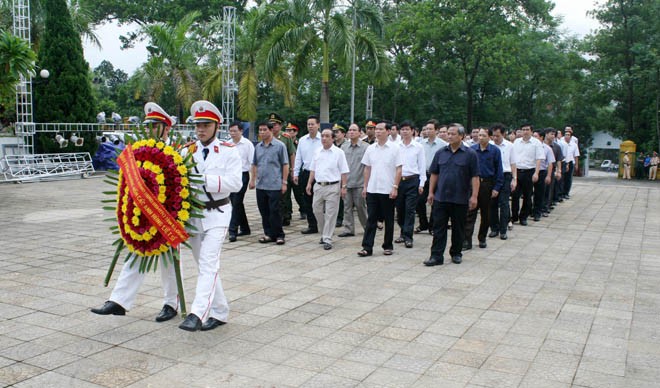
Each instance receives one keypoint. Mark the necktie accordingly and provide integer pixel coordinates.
(205, 151)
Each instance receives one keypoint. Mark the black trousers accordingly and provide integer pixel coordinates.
(379, 206)
(406, 202)
(442, 213)
(483, 206)
(238, 216)
(539, 193)
(268, 202)
(568, 177)
(500, 211)
(306, 206)
(524, 189)
(424, 222)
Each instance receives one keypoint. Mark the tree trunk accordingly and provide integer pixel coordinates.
(325, 103)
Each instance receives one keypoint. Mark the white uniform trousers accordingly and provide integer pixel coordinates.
(130, 280)
(210, 300)
(326, 208)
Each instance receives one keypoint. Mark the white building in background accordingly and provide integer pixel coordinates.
(603, 146)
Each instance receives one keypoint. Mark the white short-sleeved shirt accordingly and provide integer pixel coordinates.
(246, 150)
(528, 152)
(508, 154)
(414, 161)
(328, 165)
(383, 161)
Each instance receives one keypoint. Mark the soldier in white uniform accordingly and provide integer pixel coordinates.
(130, 278)
(219, 165)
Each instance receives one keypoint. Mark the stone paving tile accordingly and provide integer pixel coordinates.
(526, 312)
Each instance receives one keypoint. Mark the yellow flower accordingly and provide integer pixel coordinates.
(160, 145)
(135, 221)
(163, 248)
(147, 165)
(182, 170)
(169, 151)
(160, 178)
(124, 219)
(130, 248)
(183, 215)
(156, 169)
(184, 193)
(124, 207)
(146, 236)
(153, 230)
(136, 211)
(138, 163)
(177, 158)
(184, 181)
(151, 142)
(162, 189)
(185, 204)
(161, 198)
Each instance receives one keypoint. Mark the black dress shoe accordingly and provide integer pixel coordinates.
(338, 224)
(537, 218)
(482, 244)
(286, 222)
(110, 308)
(493, 234)
(400, 240)
(523, 222)
(456, 259)
(467, 246)
(232, 238)
(243, 233)
(503, 236)
(168, 312)
(345, 234)
(211, 324)
(191, 323)
(433, 261)
(327, 246)
(309, 231)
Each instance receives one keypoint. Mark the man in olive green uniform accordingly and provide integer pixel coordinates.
(285, 201)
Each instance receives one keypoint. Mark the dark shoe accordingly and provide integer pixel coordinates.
(309, 231)
(364, 253)
(168, 312)
(482, 244)
(232, 238)
(379, 225)
(387, 252)
(400, 240)
(110, 308)
(561, 199)
(211, 324)
(345, 234)
(243, 233)
(338, 224)
(419, 230)
(321, 241)
(545, 214)
(286, 222)
(457, 259)
(191, 323)
(433, 261)
(409, 244)
(280, 241)
(552, 207)
(537, 218)
(523, 222)
(327, 246)
(503, 236)
(303, 216)
(493, 234)
(467, 246)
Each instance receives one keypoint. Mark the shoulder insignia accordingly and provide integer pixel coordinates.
(227, 144)
(288, 136)
(191, 146)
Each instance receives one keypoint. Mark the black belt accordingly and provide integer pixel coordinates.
(486, 179)
(409, 177)
(327, 183)
(526, 169)
(508, 173)
(210, 205)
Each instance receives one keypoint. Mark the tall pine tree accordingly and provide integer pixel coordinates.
(66, 96)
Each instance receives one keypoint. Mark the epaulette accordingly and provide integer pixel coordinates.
(286, 135)
(191, 146)
(227, 144)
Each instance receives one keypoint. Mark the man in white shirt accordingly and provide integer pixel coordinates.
(500, 211)
(329, 171)
(570, 161)
(431, 145)
(394, 134)
(246, 150)
(529, 153)
(307, 147)
(413, 178)
(382, 174)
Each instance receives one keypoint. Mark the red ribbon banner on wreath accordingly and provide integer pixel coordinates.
(147, 202)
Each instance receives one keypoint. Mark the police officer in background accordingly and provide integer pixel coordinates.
(286, 208)
(123, 295)
(219, 166)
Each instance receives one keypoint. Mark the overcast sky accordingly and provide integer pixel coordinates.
(573, 12)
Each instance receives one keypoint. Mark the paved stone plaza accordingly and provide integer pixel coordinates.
(573, 300)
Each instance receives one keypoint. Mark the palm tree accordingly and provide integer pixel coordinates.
(174, 53)
(16, 60)
(307, 32)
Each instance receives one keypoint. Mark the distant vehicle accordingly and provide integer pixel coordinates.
(606, 165)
